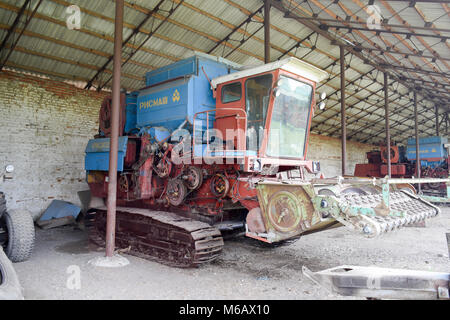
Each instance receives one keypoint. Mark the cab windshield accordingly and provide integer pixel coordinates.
(290, 116)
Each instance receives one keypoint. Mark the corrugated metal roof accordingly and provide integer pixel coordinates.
(49, 47)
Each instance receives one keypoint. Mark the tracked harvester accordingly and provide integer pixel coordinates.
(209, 149)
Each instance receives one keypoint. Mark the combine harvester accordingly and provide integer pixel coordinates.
(434, 163)
(210, 149)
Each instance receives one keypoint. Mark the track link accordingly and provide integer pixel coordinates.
(160, 236)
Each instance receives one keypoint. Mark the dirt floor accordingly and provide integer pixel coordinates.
(244, 271)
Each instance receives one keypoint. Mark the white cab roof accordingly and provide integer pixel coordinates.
(293, 65)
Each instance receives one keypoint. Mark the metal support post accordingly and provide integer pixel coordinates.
(388, 133)
(112, 175)
(266, 31)
(343, 117)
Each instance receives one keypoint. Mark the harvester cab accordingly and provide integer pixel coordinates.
(262, 117)
(208, 147)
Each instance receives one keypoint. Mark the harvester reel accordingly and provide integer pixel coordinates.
(326, 192)
(176, 192)
(356, 190)
(194, 178)
(371, 189)
(220, 185)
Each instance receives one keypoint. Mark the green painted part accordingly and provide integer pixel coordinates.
(397, 213)
(359, 210)
(435, 199)
(385, 194)
(333, 206)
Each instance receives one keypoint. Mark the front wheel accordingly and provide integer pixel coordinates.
(18, 237)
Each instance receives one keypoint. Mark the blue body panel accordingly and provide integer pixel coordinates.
(174, 94)
(131, 110)
(428, 140)
(164, 106)
(158, 134)
(175, 70)
(178, 92)
(60, 209)
(429, 147)
(97, 154)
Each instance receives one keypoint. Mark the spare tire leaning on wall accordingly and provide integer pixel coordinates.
(20, 234)
(16, 232)
(10, 288)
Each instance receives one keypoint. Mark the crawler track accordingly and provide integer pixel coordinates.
(160, 236)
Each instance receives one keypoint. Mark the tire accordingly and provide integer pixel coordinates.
(2, 204)
(10, 288)
(20, 227)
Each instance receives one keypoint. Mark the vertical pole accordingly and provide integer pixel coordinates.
(446, 124)
(388, 133)
(112, 175)
(416, 129)
(343, 117)
(436, 112)
(266, 31)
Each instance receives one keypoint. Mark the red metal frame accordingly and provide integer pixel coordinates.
(240, 104)
(207, 130)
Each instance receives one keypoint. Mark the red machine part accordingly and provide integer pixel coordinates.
(395, 154)
(374, 156)
(367, 170)
(397, 170)
(377, 164)
(105, 115)
(130, 156)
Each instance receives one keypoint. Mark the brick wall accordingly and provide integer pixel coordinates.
(327, 150)
(44, 128)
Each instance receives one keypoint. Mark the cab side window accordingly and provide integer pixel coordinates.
(231, 92)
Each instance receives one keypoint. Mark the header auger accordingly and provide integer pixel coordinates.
(209, 148)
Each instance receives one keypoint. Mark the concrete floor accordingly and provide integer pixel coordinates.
(244, 271)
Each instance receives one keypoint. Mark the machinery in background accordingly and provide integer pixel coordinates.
(383, 283)
(434, 162)
(209, 149)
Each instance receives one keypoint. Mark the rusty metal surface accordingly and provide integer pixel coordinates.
(343, 113)
(288, 210)
(254, 220)
(370, 207)
(382, 283)
(114, 142)
(388, 131)
(159, 236)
